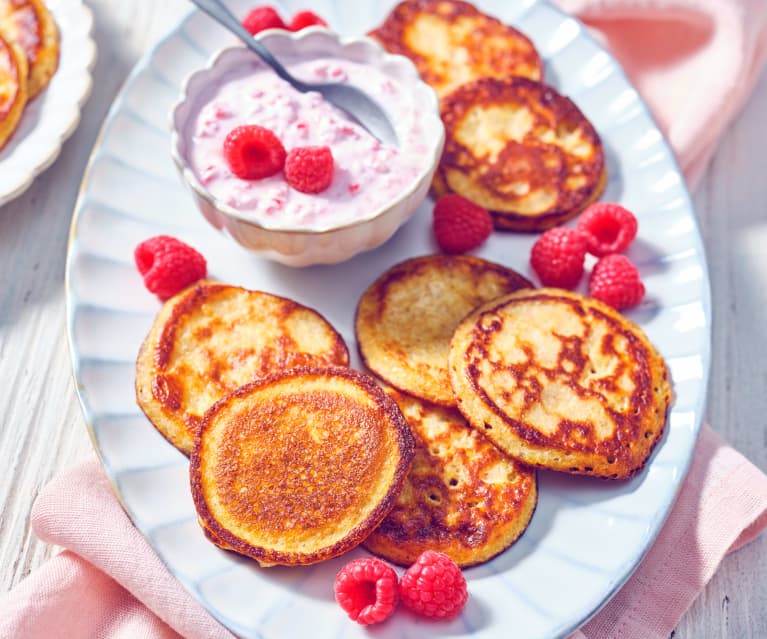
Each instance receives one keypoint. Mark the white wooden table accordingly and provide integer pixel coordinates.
(41, 428)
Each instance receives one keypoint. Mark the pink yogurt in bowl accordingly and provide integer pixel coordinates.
(375, 187)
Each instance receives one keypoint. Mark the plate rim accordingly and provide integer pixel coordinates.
(660, 516)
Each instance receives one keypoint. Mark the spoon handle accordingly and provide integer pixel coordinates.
(218, 11)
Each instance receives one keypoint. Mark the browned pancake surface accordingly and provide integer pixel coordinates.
(406, 318)
(31, 25)
(300, 466)
(211, 338)
(522, 151)
(561, 381)
(452, 42)
(13, 88)
(463, 496)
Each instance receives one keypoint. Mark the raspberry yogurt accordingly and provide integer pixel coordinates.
(368, 175)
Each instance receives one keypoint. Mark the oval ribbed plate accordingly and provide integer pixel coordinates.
(586, 536)
(53, 115)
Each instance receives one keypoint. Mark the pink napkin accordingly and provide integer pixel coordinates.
(695, 62)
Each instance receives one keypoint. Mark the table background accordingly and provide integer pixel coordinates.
(42, 430)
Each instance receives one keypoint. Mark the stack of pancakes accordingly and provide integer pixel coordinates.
(295, 458)
(463, 497)
(496, 378)
(29, 55)
(513, 144)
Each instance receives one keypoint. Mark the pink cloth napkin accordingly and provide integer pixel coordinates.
(695, 62)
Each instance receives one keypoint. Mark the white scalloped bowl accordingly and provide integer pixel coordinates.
(301, 247)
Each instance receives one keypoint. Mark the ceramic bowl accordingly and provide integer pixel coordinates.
(332, 244)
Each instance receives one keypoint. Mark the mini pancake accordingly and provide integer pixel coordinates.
(31, 25)
(406, 318)
(561, 381)
(463, 496)
(13, 88)
(522, 151)
(211, 338)
(452, 42)
(299, 466)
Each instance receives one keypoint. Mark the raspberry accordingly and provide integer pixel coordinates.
(557, 257)
(460, 225)
(434, 586)
(367, 590)
(253, 152)
(608, 228)
(309, 169)
(615, 281)
(261, 18)
(168, 265)
(305, 19)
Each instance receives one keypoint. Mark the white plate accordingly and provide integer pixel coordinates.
(53, 115)
(586, 536)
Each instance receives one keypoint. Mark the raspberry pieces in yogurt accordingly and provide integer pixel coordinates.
(367, 175)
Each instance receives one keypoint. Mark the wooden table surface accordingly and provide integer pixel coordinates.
(42, 430)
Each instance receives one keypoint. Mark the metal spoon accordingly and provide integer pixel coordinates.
(355, 103)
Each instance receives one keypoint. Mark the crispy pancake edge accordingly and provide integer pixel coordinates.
(47, 60)
(267, 557)
(18, 60)
(483, 415)
(158, 344)
(373, 298)
(500, 536)
(391, 34)
(489, 91)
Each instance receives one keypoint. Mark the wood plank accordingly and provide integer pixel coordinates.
(732, 208)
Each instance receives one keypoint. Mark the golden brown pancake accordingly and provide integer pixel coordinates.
(406, 318)
(13, 88)
(463, 496)
(452, 42)
(211, 338)
(31, 25)
(522, 151)
(300, 466)
(561, 381)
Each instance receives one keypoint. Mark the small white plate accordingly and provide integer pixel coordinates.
(53, 115)
(586, 536)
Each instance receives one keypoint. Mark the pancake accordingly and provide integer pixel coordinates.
(406, 318)
(522, 151)
(561, 381)
(211, 338)
(452, 42)
(13, 88)
(463, 496)
(31, 25)
(299, 466)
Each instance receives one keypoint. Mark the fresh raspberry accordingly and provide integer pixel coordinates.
(367, 590)
(261, 18)
(460, 225)
(434, 586)
(168, 265)
(557, 257)
(253, 152)
(309, 169)
(305, 19)
(615, 281)
(608, 227)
